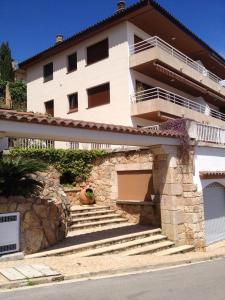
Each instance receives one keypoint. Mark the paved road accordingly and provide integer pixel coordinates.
(202, 281)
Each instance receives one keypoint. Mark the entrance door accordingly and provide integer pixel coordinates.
(214, 209)
(9, 232)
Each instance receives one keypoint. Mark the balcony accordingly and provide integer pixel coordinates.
(158, 104)
(144, 53)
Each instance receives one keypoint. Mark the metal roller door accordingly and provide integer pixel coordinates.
(214, 210)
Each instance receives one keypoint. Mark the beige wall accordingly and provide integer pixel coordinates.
(113, 69)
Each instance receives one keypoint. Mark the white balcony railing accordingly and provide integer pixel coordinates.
(211, 134)
(159, 93)
(159, 43)
(31, 143)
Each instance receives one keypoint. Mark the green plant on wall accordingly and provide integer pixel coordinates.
(73, 165)
(16, 176)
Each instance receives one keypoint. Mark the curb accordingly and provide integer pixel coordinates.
(106, 273)
(30, 282)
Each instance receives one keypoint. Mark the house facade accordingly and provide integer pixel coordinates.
(128, 70)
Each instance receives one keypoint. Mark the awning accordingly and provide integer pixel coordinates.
(178, 77)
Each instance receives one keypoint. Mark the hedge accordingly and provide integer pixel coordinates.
(73, 165)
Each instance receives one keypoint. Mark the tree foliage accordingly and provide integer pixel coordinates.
(6, 69)
(16, 176)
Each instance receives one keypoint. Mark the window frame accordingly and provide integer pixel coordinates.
(95, 87)
(72, 110)
(71, 70)
(49, 77)
(94, 44)
(45, 103)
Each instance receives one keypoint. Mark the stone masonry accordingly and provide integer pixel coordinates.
(182, 214)
(43, 218)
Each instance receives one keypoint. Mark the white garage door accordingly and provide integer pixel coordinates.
(214, 209)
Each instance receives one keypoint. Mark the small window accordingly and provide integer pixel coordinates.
(98, 52)
(99, 95)
(73, 102)
(49, 108)
(72, 62)
(48, 72)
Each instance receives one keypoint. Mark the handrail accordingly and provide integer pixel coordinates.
(159, 93)
(155, 41)
(212, 134)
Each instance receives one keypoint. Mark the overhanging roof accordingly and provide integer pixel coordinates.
(30, 125)
(130, 12)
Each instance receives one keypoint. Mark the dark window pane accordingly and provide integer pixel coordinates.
(73, 102)
(98, 95)
(48, 72)
(98, 52)
(49, 107)
(72, 62)
(141, 86)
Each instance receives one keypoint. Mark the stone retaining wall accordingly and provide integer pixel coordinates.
(43, 222)
(44, 218)
(103, 180)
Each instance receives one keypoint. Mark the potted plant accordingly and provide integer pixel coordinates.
(87, 196)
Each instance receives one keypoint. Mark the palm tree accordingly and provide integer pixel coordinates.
(16, 176)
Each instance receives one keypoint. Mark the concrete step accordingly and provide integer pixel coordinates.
(98, 244)
(92, 213)
(123, 246)
(176, 250)
(97, 224)
(150, 248)
(90, 230)
(94, 218)
(87, 208)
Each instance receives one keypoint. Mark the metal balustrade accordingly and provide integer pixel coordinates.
(206, 133)
(159, 43)
(159, 93)
(31, 143)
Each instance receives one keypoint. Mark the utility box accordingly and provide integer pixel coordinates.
(9, 232)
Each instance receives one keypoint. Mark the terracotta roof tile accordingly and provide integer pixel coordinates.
(212, 174)
(9, 115)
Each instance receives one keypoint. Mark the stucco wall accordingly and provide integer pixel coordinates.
(208, 159)
(113, 69)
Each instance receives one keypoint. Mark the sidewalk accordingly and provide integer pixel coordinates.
(87, 267)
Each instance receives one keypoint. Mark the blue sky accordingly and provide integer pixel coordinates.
(30, 26)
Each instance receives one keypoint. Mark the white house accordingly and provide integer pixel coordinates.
(128, 70)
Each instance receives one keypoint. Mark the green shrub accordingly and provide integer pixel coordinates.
(16, 176)
(73, 165)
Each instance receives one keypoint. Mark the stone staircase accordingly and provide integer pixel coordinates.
(94, 218)
(99, 230)
(87, 219)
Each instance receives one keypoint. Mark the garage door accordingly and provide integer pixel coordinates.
(214, 209)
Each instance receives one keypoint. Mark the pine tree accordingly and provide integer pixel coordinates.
(6, 69)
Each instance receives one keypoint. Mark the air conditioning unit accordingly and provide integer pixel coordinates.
(9, 232)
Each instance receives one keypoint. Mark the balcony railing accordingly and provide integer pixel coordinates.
(31, 143)
(211, 134)
(158, 93)
(159, 43)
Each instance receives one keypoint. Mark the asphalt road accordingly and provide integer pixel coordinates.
(201, 281)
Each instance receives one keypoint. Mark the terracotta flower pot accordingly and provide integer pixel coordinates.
(85, 197)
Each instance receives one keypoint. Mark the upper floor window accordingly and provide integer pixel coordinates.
(49, 107)
(98, 52)
(48, 72)
(98, 95)
(73, 102)
(72, 62)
